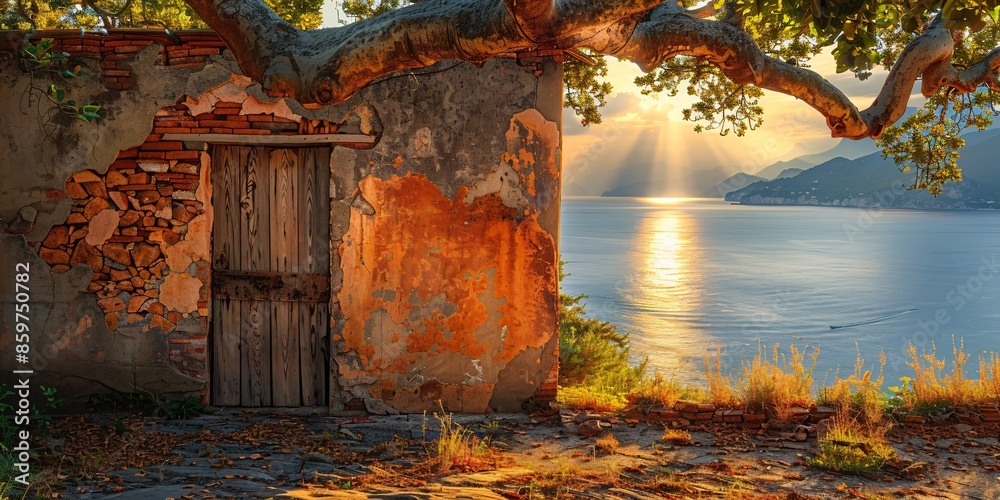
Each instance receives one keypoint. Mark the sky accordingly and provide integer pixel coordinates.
(649, 130)
(638, 129)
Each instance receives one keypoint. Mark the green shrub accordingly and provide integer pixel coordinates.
(593, 353)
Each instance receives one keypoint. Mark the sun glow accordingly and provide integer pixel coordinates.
(666, 201)
(667, 288)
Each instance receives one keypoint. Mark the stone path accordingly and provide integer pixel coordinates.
(538, 456)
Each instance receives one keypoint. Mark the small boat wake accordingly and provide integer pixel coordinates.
(876, 320)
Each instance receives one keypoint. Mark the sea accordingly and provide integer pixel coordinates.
(689, 278)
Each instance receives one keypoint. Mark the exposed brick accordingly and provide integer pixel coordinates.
(95, 189)
(204, 51)
(251, 131)
(75, 191)
(686, 406)
(130, 217)
(145, 254)
(163, 146)
(53, 256)
(111, 304)
(183, 155)
(96, 205)
(116, 72)
(121, 164)
(260, 118)
(58, 235)
(86, 254)
(225, 123)
(138, 187)
(668, 415)
(124, 239)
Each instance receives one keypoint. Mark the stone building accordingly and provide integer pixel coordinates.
(384, 253)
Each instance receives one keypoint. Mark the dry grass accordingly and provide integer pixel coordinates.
(860, 397)
(770, 384)
(720, 386)
(849, 447)
(989, 378)
(456, 445)
(933, 386)
(775, 385)
(667, 391)
(607, 443)
(678, 437)
(588, 398)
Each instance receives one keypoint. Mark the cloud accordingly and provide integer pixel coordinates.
(643, 130)
(625, 109)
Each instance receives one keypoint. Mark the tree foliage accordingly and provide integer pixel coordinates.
(585, 90)
(593, 353)
(171, 14)
(724, 53)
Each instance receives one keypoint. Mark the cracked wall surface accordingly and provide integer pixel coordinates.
(444, 234)
(448, 248)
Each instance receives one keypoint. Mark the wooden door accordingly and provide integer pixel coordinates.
(270, 276)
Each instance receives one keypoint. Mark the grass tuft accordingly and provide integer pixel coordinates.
(860, 397)
(607, 443)
(849, 448)
(667, 391)
(456, 445)
(678, 437)
(589, 398)
(721, 388)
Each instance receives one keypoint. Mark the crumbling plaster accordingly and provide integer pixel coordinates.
(458, 201)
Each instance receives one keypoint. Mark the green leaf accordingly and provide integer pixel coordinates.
(68, 74)
(60, 95)
(44, 45)
(31, 50)
(91, 108)
(91, 116)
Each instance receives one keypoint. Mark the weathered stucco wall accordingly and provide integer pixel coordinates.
(449, 278)
(444, 235)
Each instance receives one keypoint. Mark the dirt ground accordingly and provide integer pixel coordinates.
(295, 454)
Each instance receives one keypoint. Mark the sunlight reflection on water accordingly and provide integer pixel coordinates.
(687, 276)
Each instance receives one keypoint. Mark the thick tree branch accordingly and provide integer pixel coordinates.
(669, 34)
(329, 65)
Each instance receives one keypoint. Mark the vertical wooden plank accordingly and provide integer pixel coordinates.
(307, 232)
(255, 319)
(314, 257)
(284, 256)
(225, 334)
